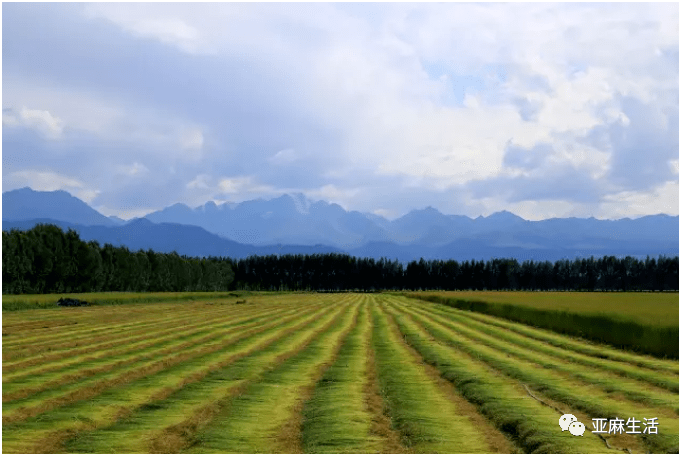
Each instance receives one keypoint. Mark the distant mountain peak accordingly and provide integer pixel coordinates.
(301, 203)
(504, 215)
(27, 204)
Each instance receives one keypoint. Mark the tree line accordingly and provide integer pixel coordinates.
(46, 259)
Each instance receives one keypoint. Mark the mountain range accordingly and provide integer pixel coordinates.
(294, 224)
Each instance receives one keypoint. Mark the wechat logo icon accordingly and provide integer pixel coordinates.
(569, 422)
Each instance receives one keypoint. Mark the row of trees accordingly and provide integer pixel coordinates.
(342, 272)
(47, 260)
(44, 259)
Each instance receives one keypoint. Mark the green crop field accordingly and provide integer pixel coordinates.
(656, 309)
(316, 373)
(643, 322)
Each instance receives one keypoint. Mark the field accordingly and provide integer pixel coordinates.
(644, 322)
(317, 373)
(657, 309)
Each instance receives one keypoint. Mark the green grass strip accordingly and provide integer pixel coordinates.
(142, 430)
(583, 396)
(255, 421)
(137, 337)
(576, 346)
(124, 399)
(335, 419)
(82, 324)
(83, 328)
(73, 369)
(426, 420)
(660, 341)
(533, 426)
(528, 350)
(55, 397)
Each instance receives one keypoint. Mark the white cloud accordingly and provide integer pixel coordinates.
(534, 210)
(662, 199)
(108, 118)
(284, 157)
(40, 120)
(243, 185)
(427, 95)
(192, 139)
(385, 213)
(126, 213)
(200, 182)
(134, 170)
(147, 21)
(332, 193)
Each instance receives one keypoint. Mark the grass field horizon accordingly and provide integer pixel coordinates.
(316, 373)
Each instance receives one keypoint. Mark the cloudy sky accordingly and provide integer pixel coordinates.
(545, 110)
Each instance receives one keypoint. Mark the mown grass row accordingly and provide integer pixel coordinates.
(530, 424)
(169, 424)
(577, 394)
(102, 328)
(68, 370)
(123, 398)
(661, 341)
(573, 345)
(212, 332)
(265, 417)
(426, 420)
(90, 387)
(73, 347)
(325, 373)
(335, 418)
(651, 388)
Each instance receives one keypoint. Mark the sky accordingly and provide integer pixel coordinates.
(541, 109)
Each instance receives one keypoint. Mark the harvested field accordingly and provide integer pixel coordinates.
(317, 373)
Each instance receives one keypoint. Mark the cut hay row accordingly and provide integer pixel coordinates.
(572, 345)
(123, 399)
(81, 325)
(530, 424)
(97, 339)
(265, 417)
(137, 336)
(575, 393)
(136, 328)
(87, 323)
(608, 380)
(426, 420)
(335, 418)
(164, 423)
(112, 360)
(109, 320)
(108, 364)
(321, 373)
(135, 339)
(60, 396)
